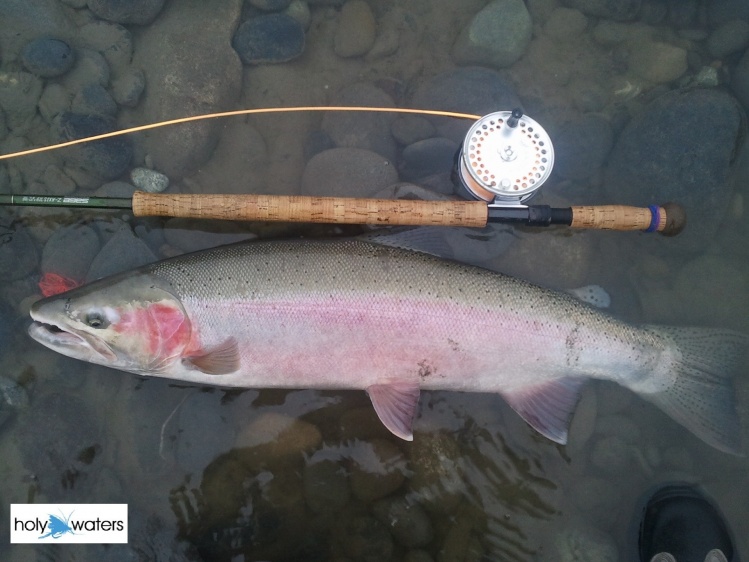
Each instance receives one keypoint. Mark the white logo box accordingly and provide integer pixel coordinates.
(53, 523)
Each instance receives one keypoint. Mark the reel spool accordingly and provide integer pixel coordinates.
(505, 158)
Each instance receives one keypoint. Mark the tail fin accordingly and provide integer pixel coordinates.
(702, 397)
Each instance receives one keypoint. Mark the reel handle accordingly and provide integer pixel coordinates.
(298, 208)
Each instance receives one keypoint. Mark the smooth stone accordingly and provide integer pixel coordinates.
(427, 158)
(112, 40)
(408, 129)
(497, 36)
(191, 235)
(326, 486)
(437, 479)
(94, 99)
(273, 437)
(107, 158)
(90, 68)
(583, 543)
(347, 172)
(367, 540)
(581, 146)
(70, 251)
(13, 397)
(18, 254)
(378, 469)
(271, 38)
(667, 154)
(116, 189)
(186, 77)
(621, 10)
(407, 521)
(57, 181)
(356, 30)
(202, 432)
(731, 37)
(54, 100)
(657, 62)
(127, 88)
(612, 455)
(47, 57)
(271, 5)
(19, 94)
(466, 90)
(149, 180)
(565, 24)
(740, 80)
(727, 10)
(24, 21)
(369, 131)
(122, 252)
(140, 12)
(299, 10)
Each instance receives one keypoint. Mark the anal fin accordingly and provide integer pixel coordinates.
(220, 360)
(547, 407)
(395, 404)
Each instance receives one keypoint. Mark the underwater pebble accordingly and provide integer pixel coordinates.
(612, 455)
(272, 38)
(565, 24)
(270, 5)
(378, 469)
(434, 459)
(70, 251)
(497, 36)
(326, 486)
(299, 10)
(367, 540)
(731, 37)
(54, 100)
(139, 12)
(658, 62)
(19, 94)
(94, 99)
(47, 57)
(620, 11)
(18, 256)
(112, 40)
(202, 432)
(427, 158)
(582, 543)
(13, 397)
(275, 436)
(128, 87)
(347, 172)
(149, 180)
(356, 31)
(581, 146)
(408, 129)
(407, 521)
(90, 68)
(122, 252)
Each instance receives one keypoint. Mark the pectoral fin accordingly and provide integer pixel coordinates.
(395, 404)
(220, 360)
(547, 407)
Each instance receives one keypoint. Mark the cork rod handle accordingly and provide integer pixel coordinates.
(336, 210)
(668, 219)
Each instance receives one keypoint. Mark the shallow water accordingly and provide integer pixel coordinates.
(307, 475)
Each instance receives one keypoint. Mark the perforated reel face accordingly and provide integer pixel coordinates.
(503, 162)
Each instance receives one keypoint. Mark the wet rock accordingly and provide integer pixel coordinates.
(271, 5)
(497, 36)
(326, 486)
(13, 397)
(582, 543)
(667, 154)
(347, 172)
(107, 158)
(407, 521)
(356, 30)
(47, 57)
(622, 10)
(369, 131)
(54, 100)
(94, 99)
(18, 256)
(26, 20)
(273, 437)
(427, 158)
(467, 90)
(70, 251)
(299, 10)
(122, 252)
(731, 37)
(272, 38)
(139, 12)
(378, 469)
(658, 62)
(59, 442)
(367, 540)
(128, 87)
(565, 24)
(408, 129)
(90, 68)
(740, 80)
(437, 480)
(112, 40)
(202, 432)
(581, 147)
(116, 189)
(202, 75)
(149, 180)
(19, 94)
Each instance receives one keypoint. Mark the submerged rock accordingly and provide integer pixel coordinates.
(48, 57)
(271, 38)
(131, 11)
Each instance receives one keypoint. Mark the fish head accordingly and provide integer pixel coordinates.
(130, 322)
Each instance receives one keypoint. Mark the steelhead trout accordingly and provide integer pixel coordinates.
(352, 314)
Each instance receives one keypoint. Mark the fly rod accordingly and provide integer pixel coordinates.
(667, 219)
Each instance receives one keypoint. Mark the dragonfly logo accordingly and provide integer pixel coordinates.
(84, 523)
(58, 527)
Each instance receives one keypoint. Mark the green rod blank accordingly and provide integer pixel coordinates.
(65, 201)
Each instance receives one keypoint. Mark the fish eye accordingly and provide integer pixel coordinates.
(96, 319)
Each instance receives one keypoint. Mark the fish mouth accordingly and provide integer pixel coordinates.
(72, 343)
